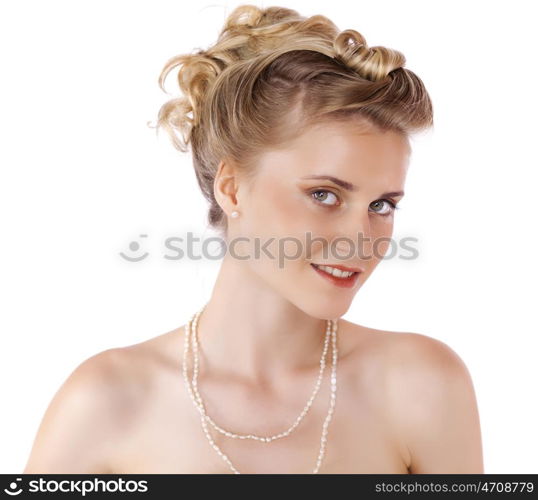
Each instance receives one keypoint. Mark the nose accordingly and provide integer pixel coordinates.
(355, 239)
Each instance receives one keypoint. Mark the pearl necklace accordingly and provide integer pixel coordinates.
(264, 439)
(198, 403)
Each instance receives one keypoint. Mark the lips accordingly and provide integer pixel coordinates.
(342, 268)
(344, 282)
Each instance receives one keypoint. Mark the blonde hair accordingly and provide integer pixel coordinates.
(272, 73)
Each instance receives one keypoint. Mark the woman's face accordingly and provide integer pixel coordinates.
(349, 225)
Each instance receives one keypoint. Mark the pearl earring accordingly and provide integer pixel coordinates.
(235, 214)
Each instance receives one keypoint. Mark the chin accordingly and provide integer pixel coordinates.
(322, 308)
(319, 300)
(316, 301)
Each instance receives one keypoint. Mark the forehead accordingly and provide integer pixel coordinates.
(343, 147)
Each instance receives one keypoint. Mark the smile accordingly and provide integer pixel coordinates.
(336, 276)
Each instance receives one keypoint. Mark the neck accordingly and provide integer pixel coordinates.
(250, 331)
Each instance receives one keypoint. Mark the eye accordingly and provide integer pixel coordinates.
(322, 195)
(392, 207)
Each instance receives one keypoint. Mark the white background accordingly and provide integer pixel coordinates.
(82, 176)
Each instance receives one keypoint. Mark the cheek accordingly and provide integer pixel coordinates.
(280, 211)
(283, 216)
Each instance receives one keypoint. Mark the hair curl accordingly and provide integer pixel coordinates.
(272, 73)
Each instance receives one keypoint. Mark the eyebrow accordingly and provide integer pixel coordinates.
(347, 185)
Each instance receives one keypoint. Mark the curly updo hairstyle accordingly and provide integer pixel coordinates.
(272, 73)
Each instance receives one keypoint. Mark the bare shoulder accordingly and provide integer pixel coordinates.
(429, 397)
(92, 411)
(412, 359)
(432, 403)
(422, 366)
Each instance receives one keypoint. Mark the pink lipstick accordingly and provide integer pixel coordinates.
(341, 281)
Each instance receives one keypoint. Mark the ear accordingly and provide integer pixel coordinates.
(225, 186)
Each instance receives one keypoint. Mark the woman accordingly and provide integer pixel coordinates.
(300, 140)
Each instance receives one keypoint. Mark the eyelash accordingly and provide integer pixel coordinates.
(390, 202)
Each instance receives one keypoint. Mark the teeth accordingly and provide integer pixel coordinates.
(335, 272)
